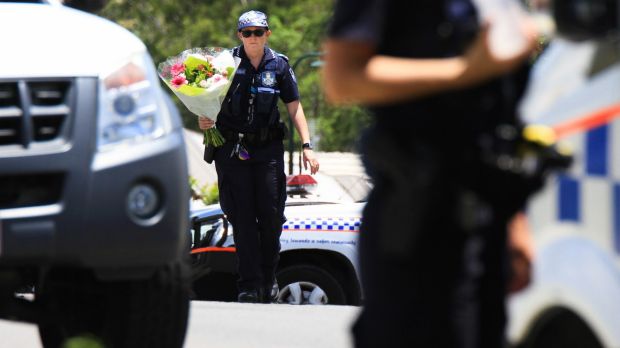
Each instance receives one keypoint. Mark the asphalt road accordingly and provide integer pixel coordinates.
(234, 325)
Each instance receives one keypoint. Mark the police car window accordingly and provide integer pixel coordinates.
(207, 231)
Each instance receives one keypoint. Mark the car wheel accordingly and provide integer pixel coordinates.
(563, 328)
(136, 313)
(307, 284)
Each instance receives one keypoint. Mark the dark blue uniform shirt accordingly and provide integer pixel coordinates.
(251, 102)
(449, 121)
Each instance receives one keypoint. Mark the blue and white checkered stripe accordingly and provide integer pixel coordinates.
(589, 195)
(344, 224)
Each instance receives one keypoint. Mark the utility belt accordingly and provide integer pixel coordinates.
(261, 137)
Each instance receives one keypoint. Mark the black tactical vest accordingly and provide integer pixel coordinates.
(251, 102)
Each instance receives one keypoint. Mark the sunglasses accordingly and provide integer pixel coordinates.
(256, 32)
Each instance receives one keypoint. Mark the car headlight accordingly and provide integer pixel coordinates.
(131, 108)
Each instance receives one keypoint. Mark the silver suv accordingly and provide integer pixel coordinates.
(94, 195)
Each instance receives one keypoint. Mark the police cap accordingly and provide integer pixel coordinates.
(252, 19)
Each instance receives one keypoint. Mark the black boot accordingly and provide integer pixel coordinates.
(269, 293)
(248, 296)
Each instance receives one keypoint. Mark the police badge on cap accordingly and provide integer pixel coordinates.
(252, 19)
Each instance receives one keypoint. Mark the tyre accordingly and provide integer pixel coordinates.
(308, 284)
(137, 313)
(562, 328)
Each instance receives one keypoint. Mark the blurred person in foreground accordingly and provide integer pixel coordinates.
(433, 246)
(250, 164)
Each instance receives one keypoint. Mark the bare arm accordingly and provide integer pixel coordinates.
(296, 113)
(354, 74)
(521, 252)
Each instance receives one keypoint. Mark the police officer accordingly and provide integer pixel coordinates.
(250, 165)
(433, 242)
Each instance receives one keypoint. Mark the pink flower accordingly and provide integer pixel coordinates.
(178, 81)
(177, 68)
(217, 78)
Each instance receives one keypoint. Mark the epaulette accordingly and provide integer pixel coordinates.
(283, 56)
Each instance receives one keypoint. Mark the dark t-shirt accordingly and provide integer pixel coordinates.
(273, 79)
(426, 29)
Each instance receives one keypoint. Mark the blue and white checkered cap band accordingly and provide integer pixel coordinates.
(252, 19)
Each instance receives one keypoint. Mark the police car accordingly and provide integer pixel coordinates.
(575, 88)
(318, 258)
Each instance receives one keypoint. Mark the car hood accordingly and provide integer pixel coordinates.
(42, 40)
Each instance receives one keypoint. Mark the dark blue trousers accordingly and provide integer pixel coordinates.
(252, 195)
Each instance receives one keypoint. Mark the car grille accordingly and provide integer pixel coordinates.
(34, 111)
(29, 190)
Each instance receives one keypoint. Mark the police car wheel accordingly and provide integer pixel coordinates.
(85, 311)
(308, 285)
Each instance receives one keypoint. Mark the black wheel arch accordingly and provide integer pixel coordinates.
(335, 263)
(560, 327)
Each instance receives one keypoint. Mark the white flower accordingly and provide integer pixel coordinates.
(223, 61)
(203, 84)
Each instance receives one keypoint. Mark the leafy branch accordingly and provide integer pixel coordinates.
(207, 193)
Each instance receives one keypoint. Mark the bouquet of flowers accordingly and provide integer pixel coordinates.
(200, 78)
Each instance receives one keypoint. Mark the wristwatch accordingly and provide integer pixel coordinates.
(307, 146)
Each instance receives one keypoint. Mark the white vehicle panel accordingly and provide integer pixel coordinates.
(322, 226)
(561, 89)
(576, 218)
(332, 226)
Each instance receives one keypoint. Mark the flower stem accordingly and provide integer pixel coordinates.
(213, 137)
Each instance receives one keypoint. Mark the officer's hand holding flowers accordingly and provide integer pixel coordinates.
(205, 123)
